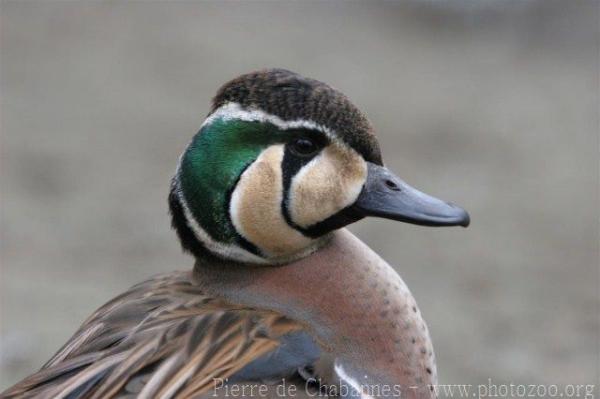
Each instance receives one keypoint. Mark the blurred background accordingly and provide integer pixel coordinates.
(491, 104)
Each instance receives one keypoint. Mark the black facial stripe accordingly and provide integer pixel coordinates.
(240, 240)
(290, 166)
(343, 218)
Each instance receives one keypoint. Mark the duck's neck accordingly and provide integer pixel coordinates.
(354, 303)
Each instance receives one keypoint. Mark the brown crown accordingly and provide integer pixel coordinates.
(291, 96)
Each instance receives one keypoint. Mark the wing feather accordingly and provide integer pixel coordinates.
(162, 338)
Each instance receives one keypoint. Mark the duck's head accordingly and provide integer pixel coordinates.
(280, 162)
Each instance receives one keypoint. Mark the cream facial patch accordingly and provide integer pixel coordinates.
(255, 207)
(326, 185)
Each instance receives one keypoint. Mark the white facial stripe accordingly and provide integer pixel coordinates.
(255, 207)
(226, 250)
(231, 111)
(326, 185)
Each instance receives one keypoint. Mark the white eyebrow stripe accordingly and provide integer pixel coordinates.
(233, 110)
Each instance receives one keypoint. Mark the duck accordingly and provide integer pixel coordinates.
(280, 292)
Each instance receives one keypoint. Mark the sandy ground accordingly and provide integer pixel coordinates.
(493, 105)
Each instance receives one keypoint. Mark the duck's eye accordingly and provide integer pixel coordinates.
(304, 147)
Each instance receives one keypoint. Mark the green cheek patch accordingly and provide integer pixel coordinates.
(212, 165)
